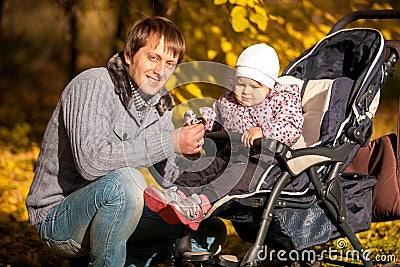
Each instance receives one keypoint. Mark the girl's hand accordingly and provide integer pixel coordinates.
(188, 117)
(250, 135)
(188, 120)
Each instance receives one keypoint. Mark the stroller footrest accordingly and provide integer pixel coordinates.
(252, 201)
(206, 257)
(228, 260)
(196, 256)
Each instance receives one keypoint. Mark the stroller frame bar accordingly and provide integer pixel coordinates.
(364, 14)
(253, 252)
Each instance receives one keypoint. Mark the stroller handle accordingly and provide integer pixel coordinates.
(267, 145)
(229, 136)
(365, 14)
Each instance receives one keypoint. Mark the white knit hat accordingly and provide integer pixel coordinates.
(260, 63)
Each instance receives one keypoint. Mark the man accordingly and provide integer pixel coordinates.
(87, 193)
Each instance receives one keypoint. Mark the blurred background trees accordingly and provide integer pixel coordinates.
(44, 43)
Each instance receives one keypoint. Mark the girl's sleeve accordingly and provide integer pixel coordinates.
(286, 122)
(211, 115)
(208, 114)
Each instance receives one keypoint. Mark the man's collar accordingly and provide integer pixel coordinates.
(163, 101)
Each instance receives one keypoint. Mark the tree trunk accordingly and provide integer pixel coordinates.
(1, 17)
(70, 8)
(158, 8)
(122, 27)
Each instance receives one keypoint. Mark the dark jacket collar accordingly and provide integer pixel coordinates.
(117, 69)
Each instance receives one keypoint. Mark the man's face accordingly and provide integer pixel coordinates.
(151, 67)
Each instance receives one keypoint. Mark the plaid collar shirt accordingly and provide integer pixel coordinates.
(140, 104)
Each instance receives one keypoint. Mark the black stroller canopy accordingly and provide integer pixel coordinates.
(338, 56)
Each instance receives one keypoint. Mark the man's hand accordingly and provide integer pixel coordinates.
(250, 135)
(188, 139)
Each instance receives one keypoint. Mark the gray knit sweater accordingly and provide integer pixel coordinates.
(91, 133)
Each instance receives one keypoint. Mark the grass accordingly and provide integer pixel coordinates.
(20, 246)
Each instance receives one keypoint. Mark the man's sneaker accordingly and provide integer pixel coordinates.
(189, 211)
(157, 199)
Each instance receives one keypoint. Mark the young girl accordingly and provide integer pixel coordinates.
(259, 107)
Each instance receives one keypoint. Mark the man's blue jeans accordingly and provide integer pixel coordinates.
(106, 218)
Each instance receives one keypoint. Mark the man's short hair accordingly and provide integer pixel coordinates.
(152, 30)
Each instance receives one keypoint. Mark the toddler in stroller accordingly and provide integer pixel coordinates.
(260, 105)
(343, 73)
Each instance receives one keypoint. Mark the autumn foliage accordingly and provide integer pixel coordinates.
(44, 43)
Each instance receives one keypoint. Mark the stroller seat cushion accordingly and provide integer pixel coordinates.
(315, 102)
(319, 102)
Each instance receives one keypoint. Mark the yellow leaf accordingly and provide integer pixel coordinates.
(250, 3)
(308, 5)
(219, 2)
(293, 32)
(261, 11)
(253, 31)
(226, 46)
(194, 90)
(178, 96)
(262, 38)
(238, 11)
(324, 28)
(260, 20)
(241, 2)
(211, 54)
(308, 42)
(330, 18)
(280, 20)
(381, 6)
(231, 58)
(216, 30)
(239, 24)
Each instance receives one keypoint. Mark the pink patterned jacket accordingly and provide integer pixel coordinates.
(279, 116)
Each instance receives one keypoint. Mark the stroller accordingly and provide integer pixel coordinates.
(314, 200)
